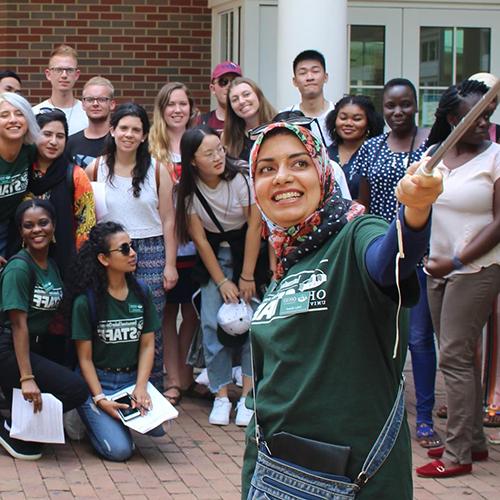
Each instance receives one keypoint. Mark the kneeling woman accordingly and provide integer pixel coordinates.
(113, 321)
(31, 290)
(324, 339)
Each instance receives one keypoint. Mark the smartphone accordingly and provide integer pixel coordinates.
(127, 413)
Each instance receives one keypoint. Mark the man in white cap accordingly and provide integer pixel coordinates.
(222, 75)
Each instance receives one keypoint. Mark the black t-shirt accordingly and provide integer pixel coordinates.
(82, 150)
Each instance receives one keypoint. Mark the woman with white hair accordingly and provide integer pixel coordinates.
(18, 133)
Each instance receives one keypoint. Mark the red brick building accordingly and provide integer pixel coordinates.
(138, 44)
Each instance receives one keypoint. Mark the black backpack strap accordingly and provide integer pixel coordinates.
(208, 209)
(70, 181)
(92, 307)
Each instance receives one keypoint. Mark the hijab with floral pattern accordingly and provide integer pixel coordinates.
(295, 242)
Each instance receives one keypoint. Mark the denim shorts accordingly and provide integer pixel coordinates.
(275, 478)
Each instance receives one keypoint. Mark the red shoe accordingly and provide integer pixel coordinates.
(438, 469)
(477, 456)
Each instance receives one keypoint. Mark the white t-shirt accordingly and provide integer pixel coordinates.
(76, 116)
(321, 120)
(341, 180)
(465, 207)
(229, 202)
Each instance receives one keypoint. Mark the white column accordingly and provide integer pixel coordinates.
(316, 24)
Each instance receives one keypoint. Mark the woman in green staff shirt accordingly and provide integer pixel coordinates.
(113, 319)
(30, 292)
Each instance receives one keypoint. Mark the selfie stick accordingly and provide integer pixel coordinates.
(460, 129)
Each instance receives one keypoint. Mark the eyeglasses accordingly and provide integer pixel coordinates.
(219, 152)
(124, 249)
(292, 119)
(59, 71)
(223, 82)
(100, 100)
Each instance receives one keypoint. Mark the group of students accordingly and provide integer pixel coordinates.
(181, 213)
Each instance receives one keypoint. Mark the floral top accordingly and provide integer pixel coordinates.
(352, 177)
(383, 168)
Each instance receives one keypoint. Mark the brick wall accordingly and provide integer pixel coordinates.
(138, 44)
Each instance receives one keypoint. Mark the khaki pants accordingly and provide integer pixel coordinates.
(459, 308)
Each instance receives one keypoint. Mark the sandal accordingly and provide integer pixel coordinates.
(442, 411)
(494, 438)
(173, 400)
(198, 391)
(427, 437)
(491, 420)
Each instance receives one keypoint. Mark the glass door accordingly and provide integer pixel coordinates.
(445, 48)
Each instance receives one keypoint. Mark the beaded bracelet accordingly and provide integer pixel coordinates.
(98, 397)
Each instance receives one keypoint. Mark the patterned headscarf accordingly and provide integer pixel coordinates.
(333, 212)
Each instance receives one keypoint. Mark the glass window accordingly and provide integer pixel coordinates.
(226, 36)
(448, 55)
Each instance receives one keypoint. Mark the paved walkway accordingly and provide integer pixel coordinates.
(194, 461)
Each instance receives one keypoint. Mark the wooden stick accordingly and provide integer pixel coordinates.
(461, 128)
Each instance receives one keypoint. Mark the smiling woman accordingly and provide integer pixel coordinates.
(54, 177)
(30, 292)
(326, 326)
(18, 132)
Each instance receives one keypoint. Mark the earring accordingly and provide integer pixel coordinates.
(53, 238)
(23, 244)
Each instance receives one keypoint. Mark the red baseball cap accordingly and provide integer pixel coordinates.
(224, 68)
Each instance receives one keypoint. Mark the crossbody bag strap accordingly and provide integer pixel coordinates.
(208, 209)
(385, 440)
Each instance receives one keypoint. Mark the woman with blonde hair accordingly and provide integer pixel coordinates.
(174, 112)
(247, 108)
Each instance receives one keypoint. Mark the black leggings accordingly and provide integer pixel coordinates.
(64, 384)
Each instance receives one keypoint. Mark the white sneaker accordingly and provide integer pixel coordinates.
(220, 412)
(243, 414)
(73, 425)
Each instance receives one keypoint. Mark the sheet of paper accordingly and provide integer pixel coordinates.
(161, 411)
(42, 427)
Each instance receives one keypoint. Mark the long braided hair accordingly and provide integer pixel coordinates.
(448, 104)
(86, 272)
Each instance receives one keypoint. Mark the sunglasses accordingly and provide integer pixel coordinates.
(124, 249)
(44, 110)
(303, 121)
(223, 82)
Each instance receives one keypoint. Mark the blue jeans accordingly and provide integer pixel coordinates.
(423, 353)
(219, 358)
(109, 437)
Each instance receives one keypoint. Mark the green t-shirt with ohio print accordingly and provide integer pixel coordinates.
(14, 181)
(40, 298)
(116, 342)
(323, 343)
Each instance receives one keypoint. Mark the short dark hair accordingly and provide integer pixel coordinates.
(307, 55)
(55, 115)
(374, 121)
(10, 74)
(401, 82)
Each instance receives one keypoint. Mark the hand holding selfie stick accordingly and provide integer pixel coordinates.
(456, 134)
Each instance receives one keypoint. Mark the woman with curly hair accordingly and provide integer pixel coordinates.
(138, 196)
(112, 320)
(350, 124)
(246, 109)
(174, 113)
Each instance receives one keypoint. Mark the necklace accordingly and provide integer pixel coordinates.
(410, 151)
(70, 112)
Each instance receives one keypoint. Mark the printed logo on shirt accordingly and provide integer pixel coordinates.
(118, 331)
(11, 185)
(298, 293)
(46, 297)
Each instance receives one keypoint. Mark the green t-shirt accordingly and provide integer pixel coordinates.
(14, 181)
(39, 298)
(116, 344)
(323, 341)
